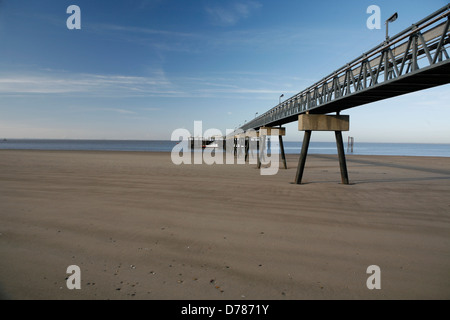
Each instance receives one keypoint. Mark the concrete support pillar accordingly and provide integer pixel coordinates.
(341, 154)
(275, 131)
(303, 154)
(320, 122)
(283, 155)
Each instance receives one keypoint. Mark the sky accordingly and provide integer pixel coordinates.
(140, 69)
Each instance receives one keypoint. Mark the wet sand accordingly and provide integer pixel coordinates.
(140, 227)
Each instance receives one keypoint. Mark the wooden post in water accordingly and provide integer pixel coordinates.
(350, 143)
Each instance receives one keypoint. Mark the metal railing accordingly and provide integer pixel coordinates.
(413, 50)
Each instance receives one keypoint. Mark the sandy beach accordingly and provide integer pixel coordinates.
(140, 227)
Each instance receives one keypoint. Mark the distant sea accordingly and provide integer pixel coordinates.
(362, 148)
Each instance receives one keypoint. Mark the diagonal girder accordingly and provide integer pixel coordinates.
(415, 59)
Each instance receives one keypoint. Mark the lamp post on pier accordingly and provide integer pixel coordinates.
(391, 19)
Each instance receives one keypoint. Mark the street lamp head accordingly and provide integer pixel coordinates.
(393, 17)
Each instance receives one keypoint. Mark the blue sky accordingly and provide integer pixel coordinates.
(139, 69)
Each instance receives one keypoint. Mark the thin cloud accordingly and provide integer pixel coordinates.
(88, 84)
(150, 109)
(140, 30)
(121, 111)
(158, 39)
(248, 86)
(231, 14)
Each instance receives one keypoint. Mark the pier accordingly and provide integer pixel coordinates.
(413, 60)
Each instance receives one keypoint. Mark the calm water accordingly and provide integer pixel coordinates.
(401, 149)
(90, 145)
